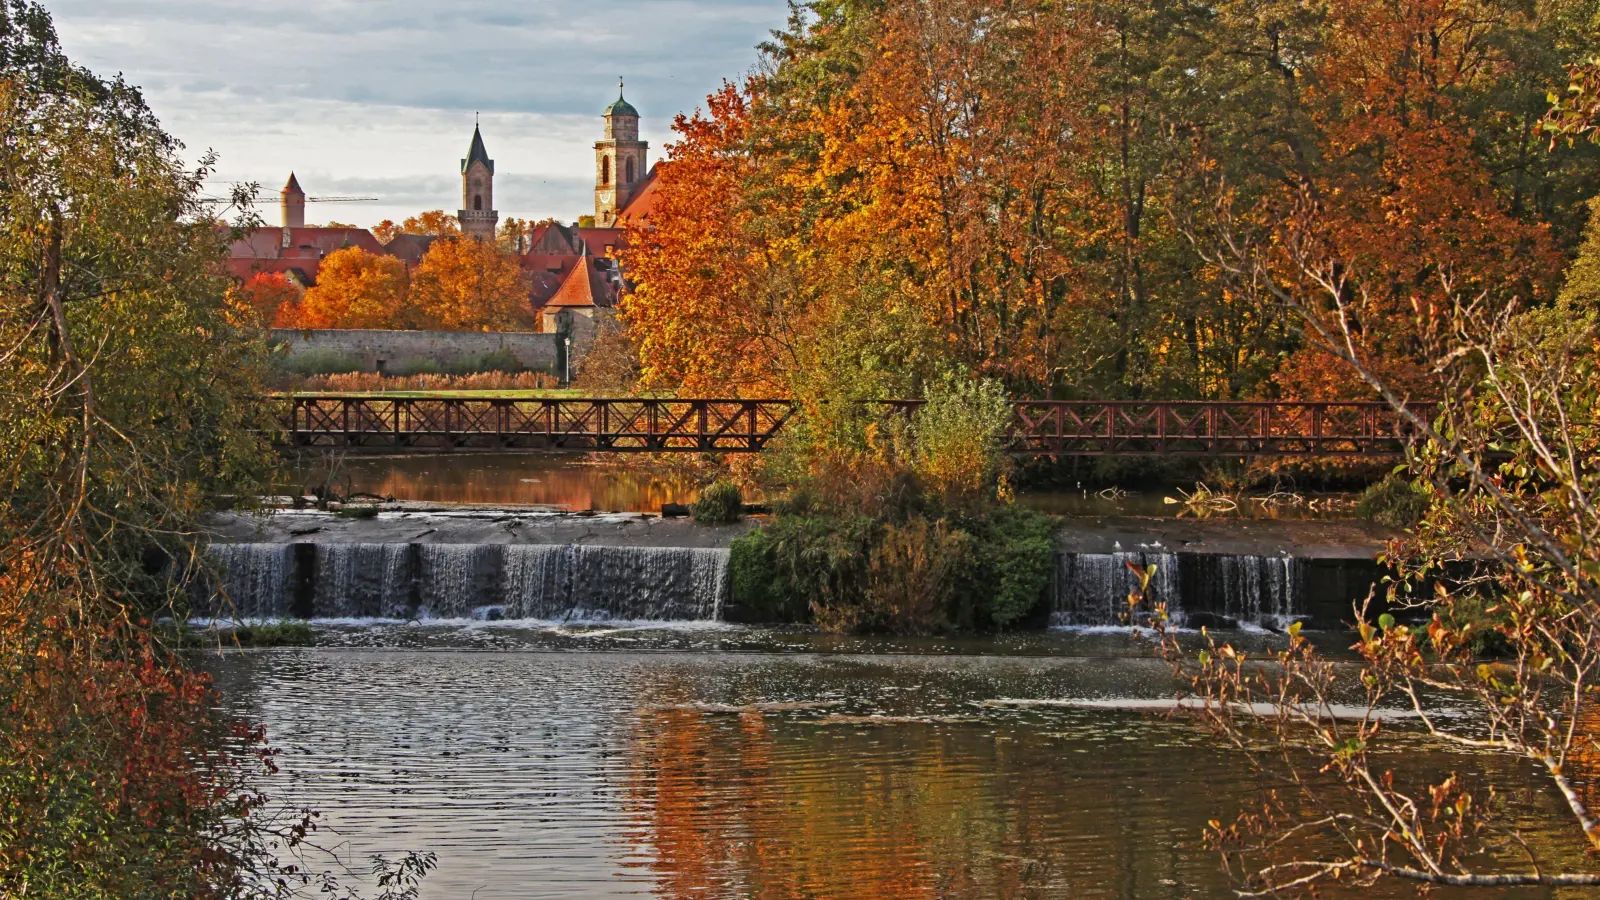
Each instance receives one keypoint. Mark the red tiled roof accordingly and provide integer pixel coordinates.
(598, 240)
(587, 286)
(643, 201)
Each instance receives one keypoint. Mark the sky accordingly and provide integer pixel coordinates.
(367, 98)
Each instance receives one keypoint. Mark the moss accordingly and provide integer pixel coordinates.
(359, 511)
(270, 634)
(1395, 501)
(719, 504)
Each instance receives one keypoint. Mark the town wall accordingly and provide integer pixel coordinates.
(396, 352)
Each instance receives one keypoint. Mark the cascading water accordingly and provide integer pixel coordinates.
(462, 580)
(1091, 589)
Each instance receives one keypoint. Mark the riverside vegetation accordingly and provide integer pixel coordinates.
(124, 373)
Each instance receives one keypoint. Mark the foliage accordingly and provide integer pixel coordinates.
(434, 222)
(1010, 186)
(354, 289)
(470, 285)
(1503, 460)
(124, 417)
(1014, 558)
(720, 503)
(958, 436)
(1396, 501)
(611, 366)
(798, 562)
(476, 381)
(263, 295)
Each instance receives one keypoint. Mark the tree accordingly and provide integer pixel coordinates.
(269, 299)
(465, 284)
(435, 222)
(356, 289)
(386, 231)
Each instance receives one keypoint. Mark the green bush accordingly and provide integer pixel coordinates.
(784, 569)
(413, 365)
(1395, 501)
(719, 504)
(1016, 554)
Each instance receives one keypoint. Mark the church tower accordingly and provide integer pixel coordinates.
(619, 161)
(477, 215)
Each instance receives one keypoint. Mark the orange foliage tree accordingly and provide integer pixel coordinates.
(435, 222)
(268, 299)
(464, 284)
(355, 289)
(1012, 188)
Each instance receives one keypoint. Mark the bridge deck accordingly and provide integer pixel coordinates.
(382, 423)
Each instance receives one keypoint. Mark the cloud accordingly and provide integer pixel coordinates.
(383, 93)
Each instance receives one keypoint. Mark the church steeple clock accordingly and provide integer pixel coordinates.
(619, 160)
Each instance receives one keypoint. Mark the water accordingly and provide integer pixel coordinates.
(543, 770)
(459, 581)
(619, 483)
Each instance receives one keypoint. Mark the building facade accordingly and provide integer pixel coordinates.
(620, 160)
(477, 215)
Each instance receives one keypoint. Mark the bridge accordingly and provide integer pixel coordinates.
(380, 423)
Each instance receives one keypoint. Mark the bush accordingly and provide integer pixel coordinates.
(794, 564)
(957, 436)
(719, 504)
(1016, 554)
(1395, 502)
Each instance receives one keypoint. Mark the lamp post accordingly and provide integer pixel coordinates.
(567, 358)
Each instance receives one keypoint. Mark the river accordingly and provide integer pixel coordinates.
(717, 761)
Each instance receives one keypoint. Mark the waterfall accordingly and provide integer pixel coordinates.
(1091, 589)
(255, 581)
(550, 581)
(455, 581)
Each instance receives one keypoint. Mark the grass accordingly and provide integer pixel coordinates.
(269, 634)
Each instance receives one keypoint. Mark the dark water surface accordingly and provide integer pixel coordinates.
(620, 483)
(715, 762)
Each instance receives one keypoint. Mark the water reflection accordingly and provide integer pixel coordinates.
(568, 481)
(696, 774)
(621, 483)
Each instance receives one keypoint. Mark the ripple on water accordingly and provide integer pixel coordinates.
(551, 773)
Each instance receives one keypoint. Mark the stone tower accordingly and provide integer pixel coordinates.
(619, 161)
(477, 215)
(292, 202)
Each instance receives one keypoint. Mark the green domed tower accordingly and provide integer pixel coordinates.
(619, 160)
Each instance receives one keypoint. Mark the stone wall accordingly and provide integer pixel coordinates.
(372, 350)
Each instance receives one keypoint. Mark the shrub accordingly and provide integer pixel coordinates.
(1016, 554)
(958, 436)
(914, 574)
(1395, 502)
(719, 504)
(794, 565)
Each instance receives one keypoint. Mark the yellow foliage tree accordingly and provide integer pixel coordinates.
(356, 289)
(469, 285)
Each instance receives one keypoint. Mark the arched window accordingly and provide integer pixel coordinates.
(605, 170)
(477, 201)
(630, 172)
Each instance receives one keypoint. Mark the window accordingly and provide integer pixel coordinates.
(605, 170)
(630, 172)
(477, 201)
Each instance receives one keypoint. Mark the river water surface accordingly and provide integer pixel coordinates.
(714, 761)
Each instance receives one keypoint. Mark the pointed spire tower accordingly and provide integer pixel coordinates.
(477, 215)
(619, 160)
(292, 203)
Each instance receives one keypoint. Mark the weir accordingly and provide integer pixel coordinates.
(597, 583)
(458, 581)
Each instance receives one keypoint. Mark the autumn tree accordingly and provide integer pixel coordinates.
(356, 289)
(465, 284)
(269, 299)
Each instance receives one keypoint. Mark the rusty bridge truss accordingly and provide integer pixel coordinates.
(387, 423)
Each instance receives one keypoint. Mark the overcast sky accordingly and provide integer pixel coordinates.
(371, 98)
